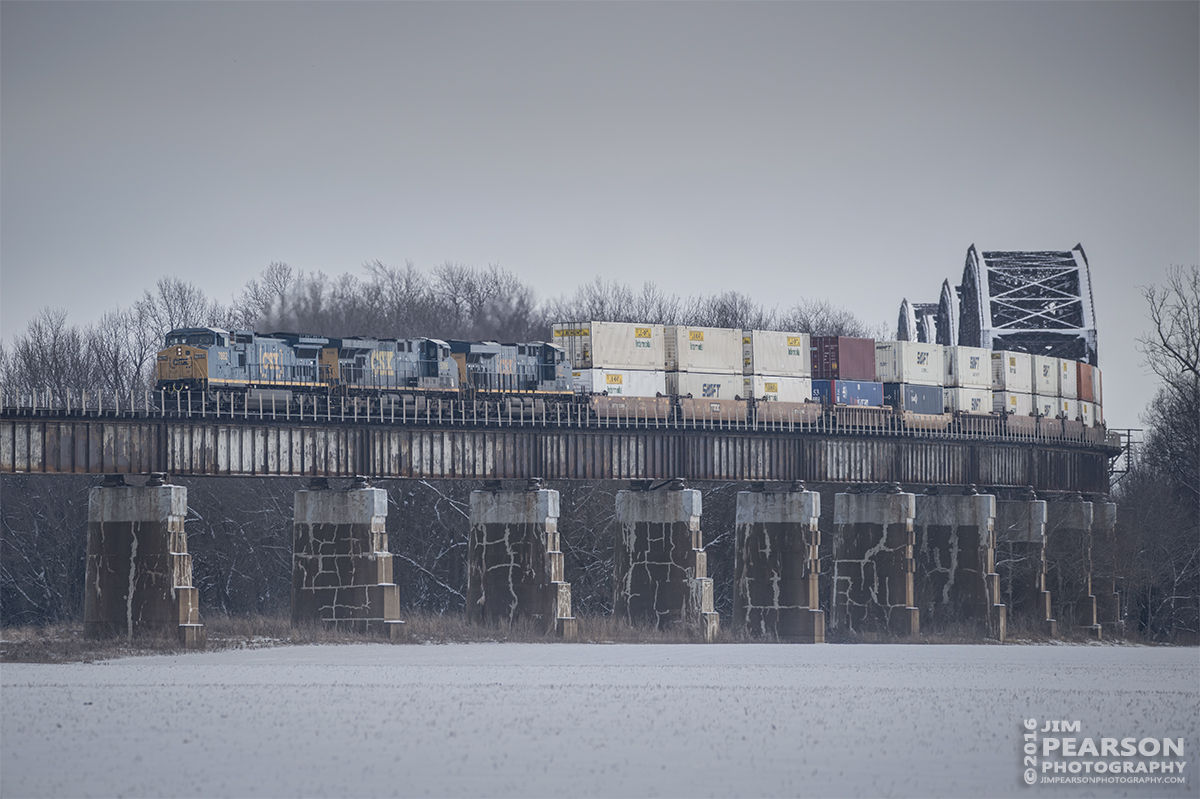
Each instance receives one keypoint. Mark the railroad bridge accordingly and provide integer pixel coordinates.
(914, 518)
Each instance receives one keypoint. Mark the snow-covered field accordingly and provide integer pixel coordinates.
(583, 720)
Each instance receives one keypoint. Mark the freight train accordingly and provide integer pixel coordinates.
(635, 372)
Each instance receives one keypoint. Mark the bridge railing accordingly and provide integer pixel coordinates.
(397, 409)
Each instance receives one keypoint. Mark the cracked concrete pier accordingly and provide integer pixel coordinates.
(956, 580)
(341, 566)
(660, 567)
(1021, 562)
(1069, 563)
(776, 565)
(515, 561)
(1105, 583)
(873, 563)
(139, 572)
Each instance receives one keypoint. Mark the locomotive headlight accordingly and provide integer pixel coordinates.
(179, 350)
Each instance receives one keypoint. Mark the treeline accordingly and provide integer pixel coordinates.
(450, 301)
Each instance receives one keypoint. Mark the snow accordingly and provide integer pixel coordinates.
(582, 720)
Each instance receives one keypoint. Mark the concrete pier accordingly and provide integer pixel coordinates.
(1069, 563)
(956, 581)
(139, 572)
(660, 567)
(341, 566)
(1109, 609)
(1021, 562)
(776, 565)
(873, 563)
(515, 562)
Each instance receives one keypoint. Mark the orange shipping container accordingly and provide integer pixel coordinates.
(1083, 382)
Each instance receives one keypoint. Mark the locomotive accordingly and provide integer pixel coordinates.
(276, 367)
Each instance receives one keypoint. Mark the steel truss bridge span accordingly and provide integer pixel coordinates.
(848, 445)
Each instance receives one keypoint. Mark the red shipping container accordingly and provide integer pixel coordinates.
(843, 358)
(1083, 381)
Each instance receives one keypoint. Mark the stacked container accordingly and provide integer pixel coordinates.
(616, 358)
(1044, 379)
(912, 373)
(1067, 380)
(968, 379)
(704, 362)
(844, 368)
(776, 366)
(1012, 383)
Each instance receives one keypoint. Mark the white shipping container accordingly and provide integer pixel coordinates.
(703, 349)
(1046, 406)
(705, 385)
(967, 400)
(968, 367)
(1084, 413)
(1064, 408)
(1097, 414)
(1067, 379)
(776, 388)
(1012, 402)
(620, 382)
(909, 362)
(619, 345)
(768, 352)
(1012, 372)
(1045, 375)
(1097, 387)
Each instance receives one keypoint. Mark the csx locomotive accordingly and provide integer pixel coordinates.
(279, 366)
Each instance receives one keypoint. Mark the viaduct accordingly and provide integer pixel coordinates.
(910, 519)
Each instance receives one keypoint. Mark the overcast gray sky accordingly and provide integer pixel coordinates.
(850, 151)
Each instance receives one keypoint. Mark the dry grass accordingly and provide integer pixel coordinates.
(65, 643)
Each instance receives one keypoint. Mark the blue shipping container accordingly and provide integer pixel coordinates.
(909, 397)
(848, 392)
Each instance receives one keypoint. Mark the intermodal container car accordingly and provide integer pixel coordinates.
(843, 358)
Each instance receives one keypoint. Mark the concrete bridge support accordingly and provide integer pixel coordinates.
(139, 572)
(1109, 611)
(1021, 562)
(514, 560)
(1069, 563)
(873, 563)
(776, 565)
(661, 570)
(956, 580)
(341, 566)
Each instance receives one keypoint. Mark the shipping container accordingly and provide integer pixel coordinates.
(1063, 408)
(777, 389)
(1044, 375)
(703, 349)
(1083, 382)
(848, 392)
(616, 345)
(913, 397)
(842, 358)
(1097, 388)
(967, 400)
(705, 385)
(1045, 406)
(1097, 414)
(767, 352)
(1012, 372)
(1012, 402)
(909, 362)
(620, 382)
(968, 367)
(1067, 379)
(1084, 413)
